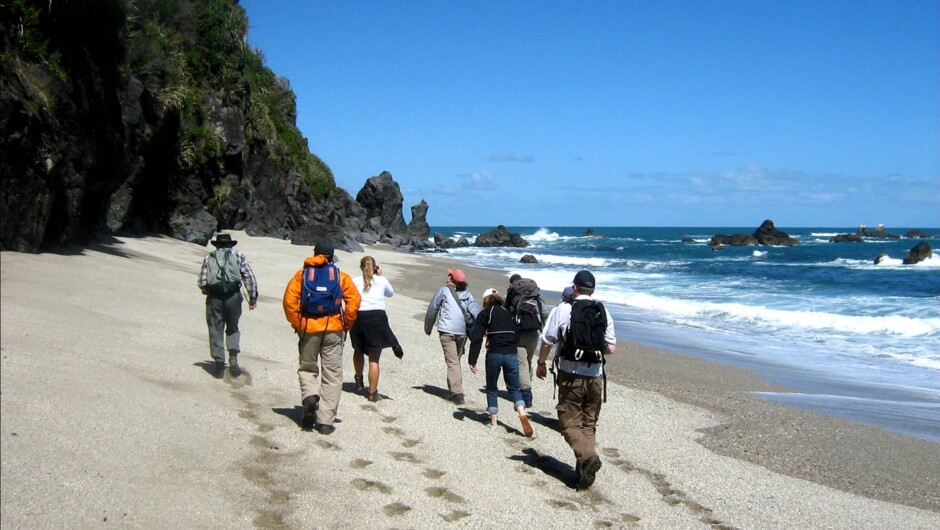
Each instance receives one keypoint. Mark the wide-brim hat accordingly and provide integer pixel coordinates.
(224, 240)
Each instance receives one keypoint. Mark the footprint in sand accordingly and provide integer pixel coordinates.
(396, 508)
(410, 443)
(360, 463)
(329, 446)
(405, 457)
(388, 419)
(370, 408)
(364, 485)
(627, 518)
(563, 505)
(444, 493)
(393, 430)
(433, 473)
(455, 515)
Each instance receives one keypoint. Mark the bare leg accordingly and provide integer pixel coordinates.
(374, 370)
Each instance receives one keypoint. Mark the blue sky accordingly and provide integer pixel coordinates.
(622, 113)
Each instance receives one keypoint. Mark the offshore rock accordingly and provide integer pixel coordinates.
(846, 238)
(767, 235)
(500, 237)
(919, 253)
(528, 258)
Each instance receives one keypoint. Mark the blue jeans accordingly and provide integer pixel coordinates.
(509, 364)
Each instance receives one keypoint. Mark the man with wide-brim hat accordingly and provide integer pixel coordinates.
(223, 241)
(224, 272)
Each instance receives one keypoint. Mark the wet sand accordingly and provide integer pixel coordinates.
(110, 415)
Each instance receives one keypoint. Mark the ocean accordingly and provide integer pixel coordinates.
(852, 339)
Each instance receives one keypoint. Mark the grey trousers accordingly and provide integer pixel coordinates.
(453, 346)
(525, 350)
(222, 316)
(321, 371)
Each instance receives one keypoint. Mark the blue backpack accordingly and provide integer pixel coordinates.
(321, 294)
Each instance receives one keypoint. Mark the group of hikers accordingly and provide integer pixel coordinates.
(323, 304)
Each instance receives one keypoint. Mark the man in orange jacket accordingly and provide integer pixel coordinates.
(322, 329)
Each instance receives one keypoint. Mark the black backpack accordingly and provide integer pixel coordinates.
(526, 304)
(584, 340)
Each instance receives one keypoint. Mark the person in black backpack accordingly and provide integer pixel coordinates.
(224, 271)
(584, 334)
(321, 303)
(525, 305)
(496, 325)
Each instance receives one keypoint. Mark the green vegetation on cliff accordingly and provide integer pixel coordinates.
(106, 101)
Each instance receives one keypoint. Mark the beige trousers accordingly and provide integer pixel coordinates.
(525, 350)
(453, 346)
(321, 371)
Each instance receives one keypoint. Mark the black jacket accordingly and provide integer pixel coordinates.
(498, 326)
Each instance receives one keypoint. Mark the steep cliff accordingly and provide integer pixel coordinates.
(124, 116)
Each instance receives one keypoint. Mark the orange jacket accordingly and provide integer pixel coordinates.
(311, 324)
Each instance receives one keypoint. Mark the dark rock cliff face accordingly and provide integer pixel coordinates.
(161, 119)
(382, 201)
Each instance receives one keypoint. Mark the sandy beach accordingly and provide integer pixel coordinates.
(110, 416)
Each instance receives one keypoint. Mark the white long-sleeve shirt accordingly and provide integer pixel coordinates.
(375, 297)
(556, 327)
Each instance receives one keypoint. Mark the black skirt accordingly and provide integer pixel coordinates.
(371, 332)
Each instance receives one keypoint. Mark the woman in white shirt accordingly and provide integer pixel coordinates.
(371, 332)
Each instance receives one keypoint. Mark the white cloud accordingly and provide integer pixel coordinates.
(510, 157)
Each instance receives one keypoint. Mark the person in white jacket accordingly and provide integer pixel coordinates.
(371, 332)
(448, 309)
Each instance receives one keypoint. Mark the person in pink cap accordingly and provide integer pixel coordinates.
(453, 309)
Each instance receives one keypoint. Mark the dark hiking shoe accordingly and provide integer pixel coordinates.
(233, 368)
(457, 399)
(587, 472)
(396, 349)
(325, 429)
(219, 371)
(528, 404)
(360, 386)
(310, 411)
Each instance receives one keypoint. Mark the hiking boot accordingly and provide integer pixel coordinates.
(233, 369)
(219, 371)
(396, 349)
(587, 472)
(457, 399)
(528, 404)
(310, 411)
(360, 386)
(374, 396)
(526, 426)
(325, 429)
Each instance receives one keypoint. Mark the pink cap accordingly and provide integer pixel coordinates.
(458, 275)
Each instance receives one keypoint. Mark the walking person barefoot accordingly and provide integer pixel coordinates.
(371, 332)
(497, 325)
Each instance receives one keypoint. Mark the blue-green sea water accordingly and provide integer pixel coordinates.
(851, 338)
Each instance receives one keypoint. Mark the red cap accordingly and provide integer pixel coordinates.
(458, 275)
